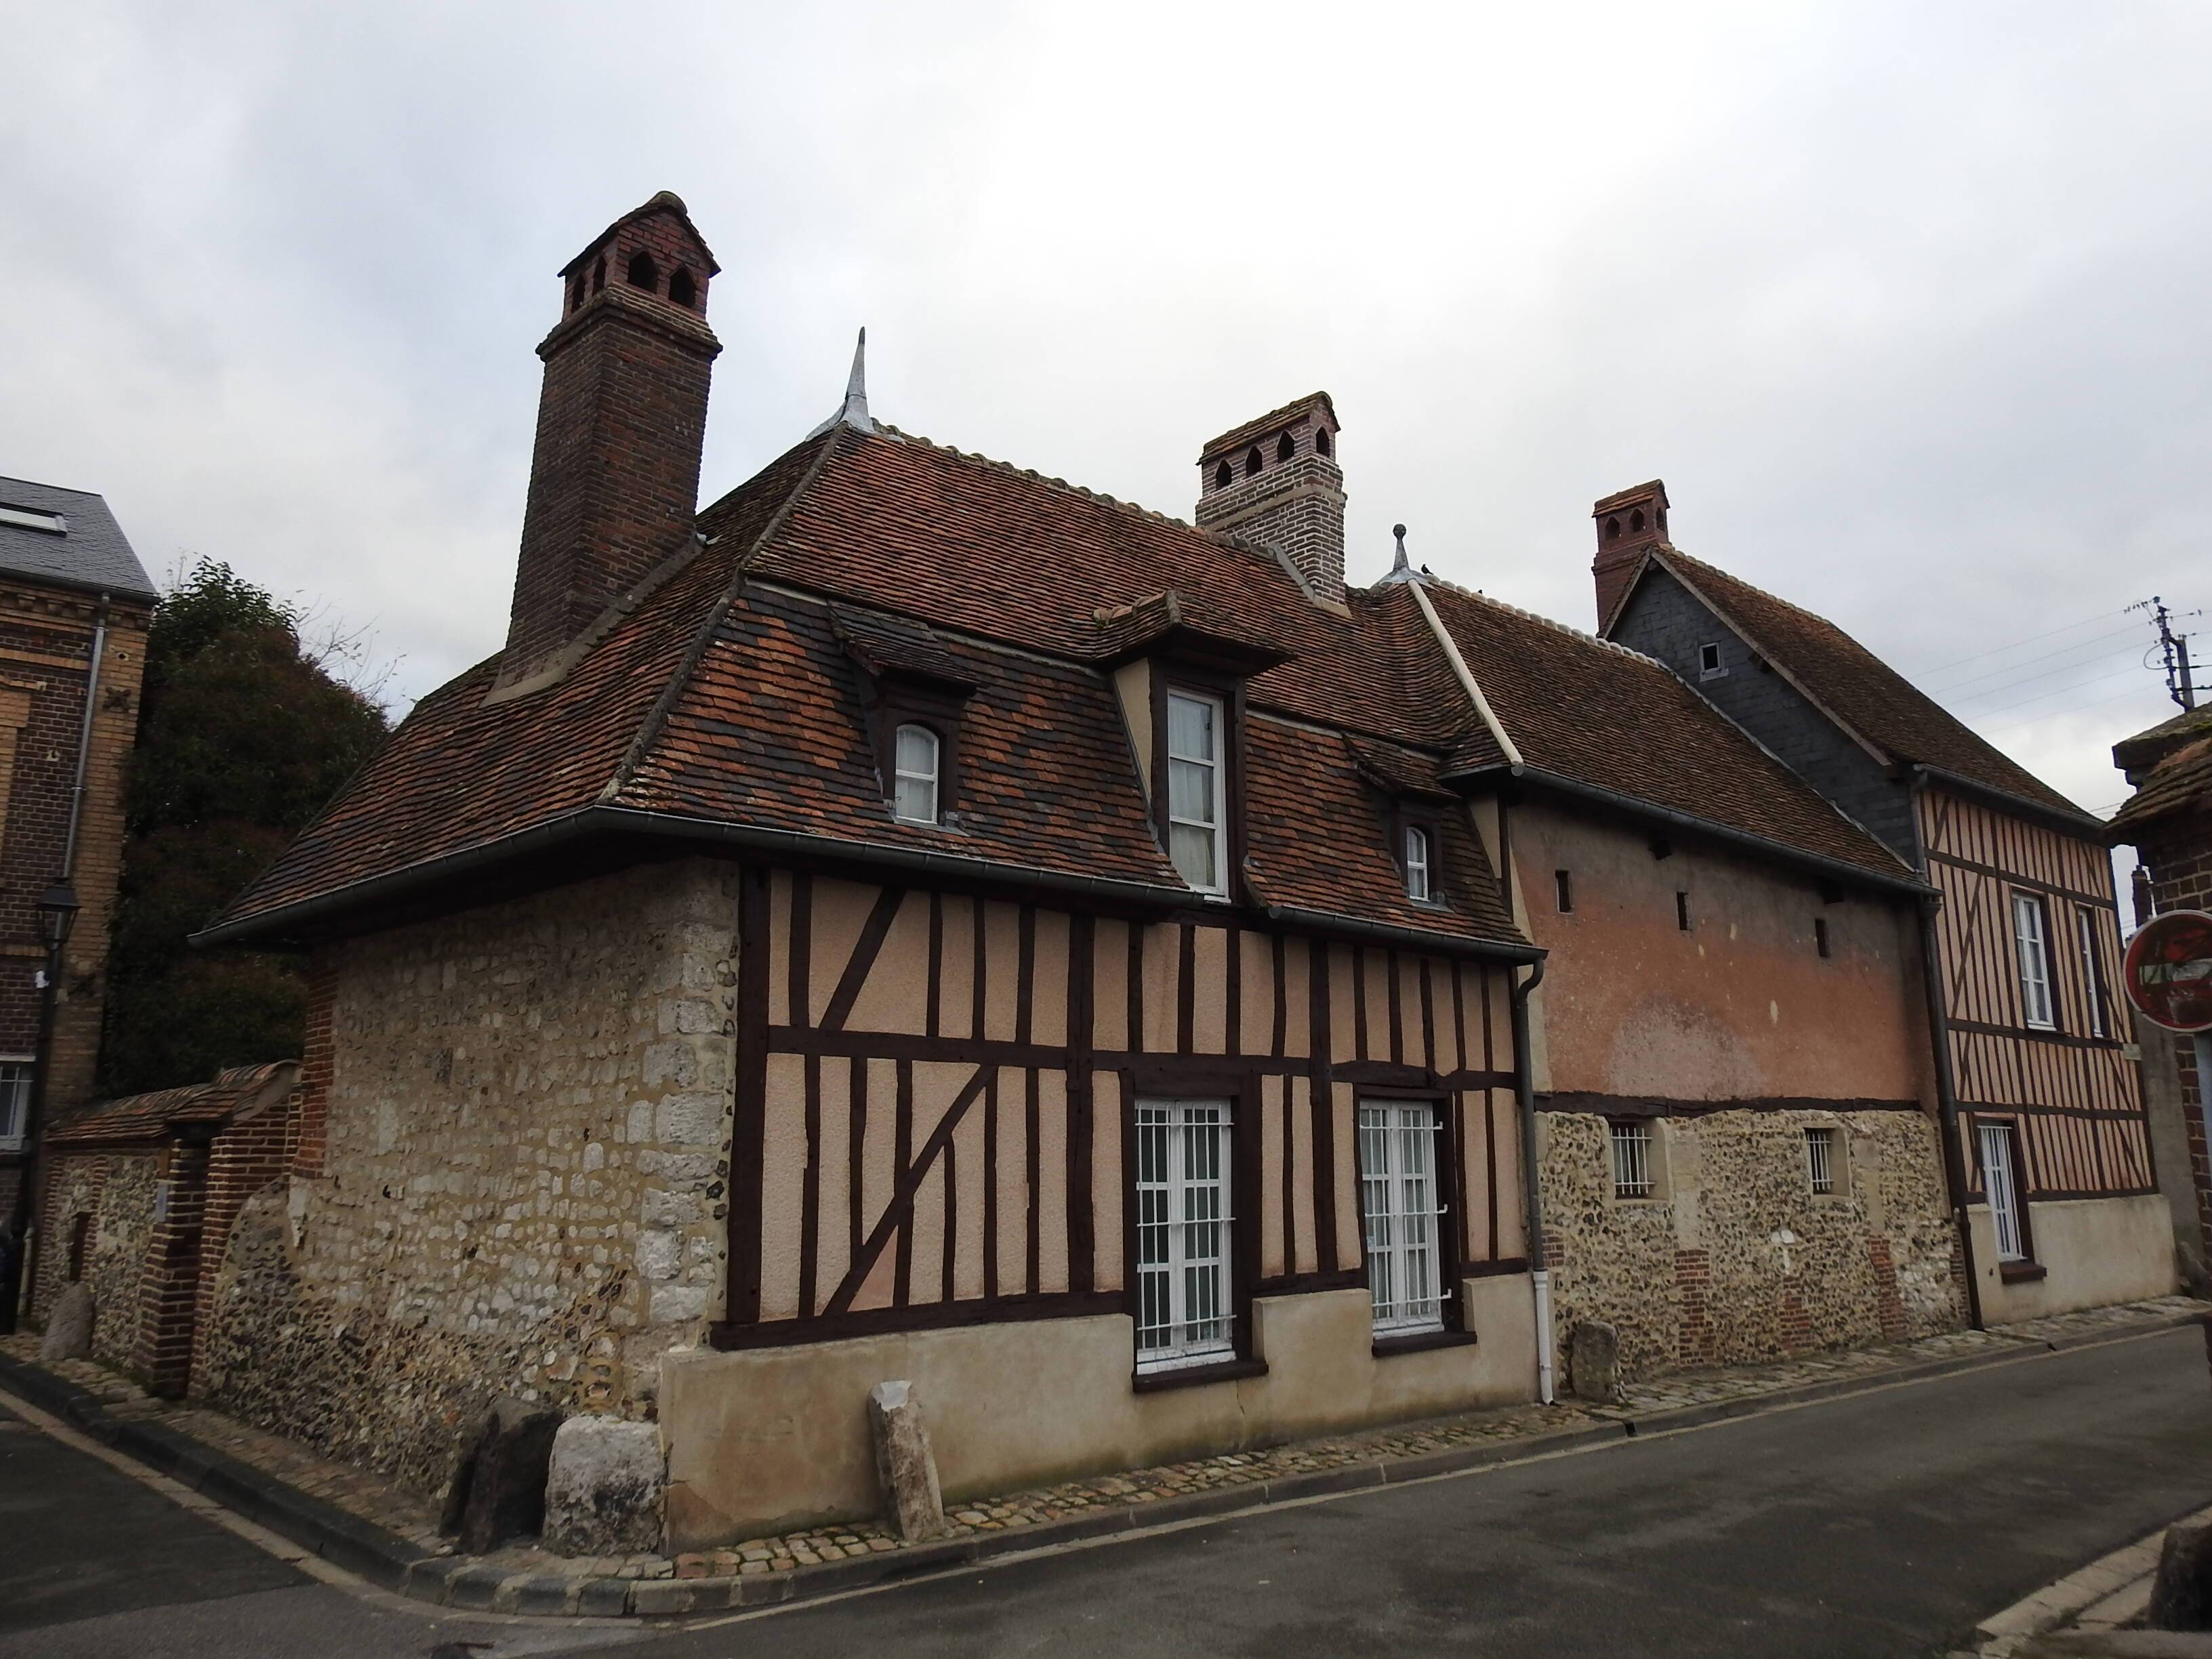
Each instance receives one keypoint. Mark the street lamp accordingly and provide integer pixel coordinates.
(57, 909)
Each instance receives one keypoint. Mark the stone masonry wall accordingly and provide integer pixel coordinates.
(521, 1187)
(1735, 1260)
(115, 1262)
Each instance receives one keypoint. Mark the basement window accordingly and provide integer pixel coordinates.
(1823, 1164)
(1633, 1168)
(1709, 662)
(31, 518)
(1563, 887)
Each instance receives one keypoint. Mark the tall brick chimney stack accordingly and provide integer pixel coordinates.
(614, 478)
(1628, 523)
(1275, 481)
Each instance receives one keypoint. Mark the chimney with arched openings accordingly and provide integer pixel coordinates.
(1276, 481)
(1628, 521)
(614, 475)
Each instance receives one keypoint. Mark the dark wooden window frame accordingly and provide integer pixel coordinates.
(2098, 1021)
(1167, 1080)
(1168, 676)
(1451, 1265)
(899, 699)
(1405, 815)
(2042, 901)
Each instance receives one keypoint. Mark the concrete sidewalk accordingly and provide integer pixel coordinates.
(2097, 1610)
(295, 1485)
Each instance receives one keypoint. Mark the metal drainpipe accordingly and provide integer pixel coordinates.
(1524, 1086)
(84, 739)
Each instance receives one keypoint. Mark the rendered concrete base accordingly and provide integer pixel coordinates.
(2095, 1251)
(770, 1440)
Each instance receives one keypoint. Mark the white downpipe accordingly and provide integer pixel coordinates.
(1542, 1280)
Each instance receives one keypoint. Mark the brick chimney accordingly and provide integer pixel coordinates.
(1628, 523)
(614, 478)
(1275, 481)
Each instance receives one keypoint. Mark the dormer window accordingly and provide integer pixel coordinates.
(1197, 794)
(1419, 861)
(1710, 667)
(916, 761)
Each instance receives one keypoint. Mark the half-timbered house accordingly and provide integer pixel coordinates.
(2051, 1148)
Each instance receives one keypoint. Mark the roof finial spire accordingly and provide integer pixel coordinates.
(1401, 568)
(854, 411)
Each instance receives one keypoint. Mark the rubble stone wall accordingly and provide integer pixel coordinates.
(1735, 1260)
(522, 1187)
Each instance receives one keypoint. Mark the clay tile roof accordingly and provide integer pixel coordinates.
(1237, 437)
(893, 645)
(1405, 773)
(2181, 782)
(239, 1090)
(1858, 689)
(1597, 714)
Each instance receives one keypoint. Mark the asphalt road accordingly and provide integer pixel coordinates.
(1885, 1523)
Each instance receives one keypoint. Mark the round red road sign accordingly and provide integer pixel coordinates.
(2168, 972)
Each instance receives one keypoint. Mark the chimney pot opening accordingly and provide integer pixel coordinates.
(1224, 475)
(598, 273)
(682, 288)
(1612, 530)
(1253, 463)
(1320, 441)
(1288, 447)
(643, 273)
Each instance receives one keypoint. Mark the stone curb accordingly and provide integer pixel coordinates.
(393, 1563)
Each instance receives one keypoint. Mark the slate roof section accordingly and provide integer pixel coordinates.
(1595, 712)
(90, 553)
(1870, 699)
(728, 699)
(2181, 783)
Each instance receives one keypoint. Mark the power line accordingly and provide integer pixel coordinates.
(1994, 650)
(2099, 702)
(2025, 662)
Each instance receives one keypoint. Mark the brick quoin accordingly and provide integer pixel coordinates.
(1693, 1273)
(1889, 1304)
(311, 1131)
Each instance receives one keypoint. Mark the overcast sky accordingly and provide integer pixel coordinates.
(1906, 302)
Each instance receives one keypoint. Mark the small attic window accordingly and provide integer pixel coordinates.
(643, 273)
(1224, 475)
(682, 288)
(1710, 667)
(1321, 445)
(31, 518)
(1253, 463)
(1286, 448)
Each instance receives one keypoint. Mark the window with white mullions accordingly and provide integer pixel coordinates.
(1632, 1158)
(1418, 862)
(2093, 972)
(2001, 1185)
(1821, 1160)
(1196, 790)
(1184, 1311)
(15, 1102)
(1400, 1193)
(916, 763)
(2027, 931)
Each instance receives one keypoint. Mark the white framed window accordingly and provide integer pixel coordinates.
(2093, 972)
(1419, 860)
(917, 755)
(1401, 1196)
(1710, 667)
(15, 1103)
(2000, 1184)
(1822, 1162)
(1197, 800)
(1632, 1158)
(1184, 1311)
(2034, 961)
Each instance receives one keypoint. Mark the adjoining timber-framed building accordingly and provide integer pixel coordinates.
(2052, 1150)
(917, 919)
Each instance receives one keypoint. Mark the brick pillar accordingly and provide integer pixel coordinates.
(168, 1285)
(1889, 1305)
(1693, 1272)
(245, 1158)
(316, 1066)
(1797, 1323)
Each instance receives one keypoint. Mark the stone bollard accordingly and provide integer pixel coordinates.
(2181, 1594)
(69, 1327)
(498, 1489)
(1594, 1362)
(604, 1489)
(904, 1466)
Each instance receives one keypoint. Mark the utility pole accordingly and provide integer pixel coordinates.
(2180, 683)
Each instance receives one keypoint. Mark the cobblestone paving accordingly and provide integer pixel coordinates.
(375, 1500)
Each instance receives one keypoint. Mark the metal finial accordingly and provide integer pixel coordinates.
(1401, 568)
(854, 411)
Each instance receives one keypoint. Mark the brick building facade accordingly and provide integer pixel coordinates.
(75, 605)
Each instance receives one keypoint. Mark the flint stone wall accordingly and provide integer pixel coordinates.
(115, 1255)
(524, 1187)
(1738, 1262)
